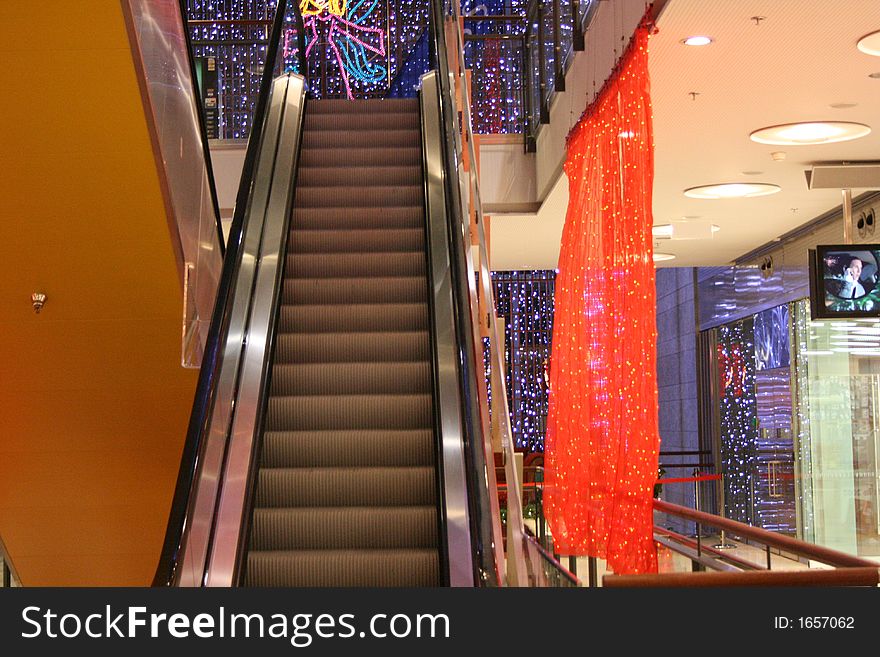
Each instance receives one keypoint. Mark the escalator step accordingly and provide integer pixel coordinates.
(297, 449)
(347, 265)
(341, 568)
(370, 196)
(372, 106)
(357, 527)
(358, 216)
(329, 178)
(403, 289)
(349, 412)
(351, 378)
(332, 242)
(309, 487)
(359, 317)
(336, 157)
(355, 347)
(361, 121)
(407, 137)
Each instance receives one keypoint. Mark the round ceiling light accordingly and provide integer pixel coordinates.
(816, 132)
(697, 40)
(870, 44)
(660, 257)
(732, 190)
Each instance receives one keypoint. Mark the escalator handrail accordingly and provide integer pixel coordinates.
(455, 126)
(485, 525)
(200, 417)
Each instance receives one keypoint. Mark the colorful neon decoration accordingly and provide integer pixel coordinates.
(341, 23)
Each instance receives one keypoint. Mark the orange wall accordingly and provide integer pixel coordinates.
(93, 401)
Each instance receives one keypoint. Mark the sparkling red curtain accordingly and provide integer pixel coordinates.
(602, 438)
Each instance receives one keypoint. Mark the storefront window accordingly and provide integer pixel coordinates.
(838, 446)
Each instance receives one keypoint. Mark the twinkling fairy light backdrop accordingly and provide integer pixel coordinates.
(524, 299)
(738, 417)
(360, 49)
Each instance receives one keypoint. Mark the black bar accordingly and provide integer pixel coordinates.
(559, 74)
(573, 565)
(593, 572)
(544, 112)
(577, 34)
(7, 575)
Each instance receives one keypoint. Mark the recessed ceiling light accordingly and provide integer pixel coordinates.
(715, 228)
(697, 40)
(660, 257)
(752, 173)
(816, 132)
(870, 44)
(731, 190)
(876, 75)
(662, 231)
(843, 105)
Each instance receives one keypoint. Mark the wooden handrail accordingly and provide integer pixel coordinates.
(793, 545)
(837, 577)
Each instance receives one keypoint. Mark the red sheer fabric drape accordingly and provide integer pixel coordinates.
(602, 439)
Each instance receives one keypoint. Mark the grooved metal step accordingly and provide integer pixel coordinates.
(349, 412)
(352, 378)
(357, 241)
(344, 568)
(348, 265)
(358, 216)
(380, 289)
(353, 448)
(323, 528)
(353, 318)
(307, 487)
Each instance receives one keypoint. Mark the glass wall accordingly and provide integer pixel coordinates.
(837, 413)
(797, 407)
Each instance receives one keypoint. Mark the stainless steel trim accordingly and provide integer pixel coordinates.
(455, 494)
(288, 100)
(205, 500)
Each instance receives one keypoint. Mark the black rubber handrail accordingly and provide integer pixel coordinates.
(169, 560)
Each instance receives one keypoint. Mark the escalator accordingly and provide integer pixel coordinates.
(337, 436)
(347, 490)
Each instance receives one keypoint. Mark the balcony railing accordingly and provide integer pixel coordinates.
(517, 59)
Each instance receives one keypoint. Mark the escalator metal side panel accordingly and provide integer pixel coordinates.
(204, 497)
(271, 211)
(451, 459)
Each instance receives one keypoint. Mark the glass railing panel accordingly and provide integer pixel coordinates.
(173, 116)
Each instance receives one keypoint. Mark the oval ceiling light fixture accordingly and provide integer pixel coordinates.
(813, 132)
(870, 44)
(662, 231)
(732, 190)
(660, 257)
(697, 40)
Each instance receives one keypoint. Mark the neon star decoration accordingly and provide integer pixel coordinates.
(341, 23)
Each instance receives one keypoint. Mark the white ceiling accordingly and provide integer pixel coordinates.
(792, 66)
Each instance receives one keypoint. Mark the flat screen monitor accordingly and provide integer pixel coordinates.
(844, 281)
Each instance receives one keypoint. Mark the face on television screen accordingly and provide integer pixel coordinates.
(849, 279)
